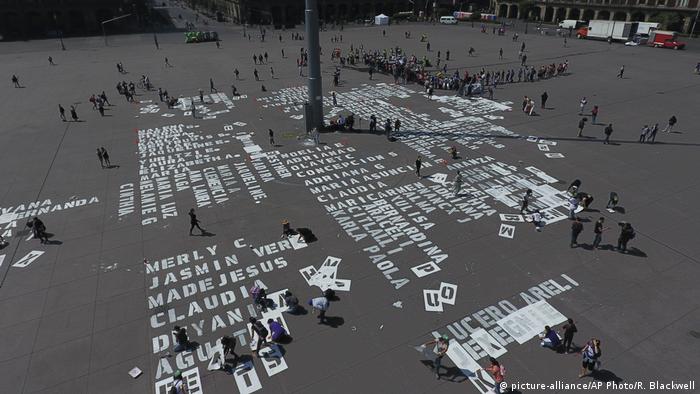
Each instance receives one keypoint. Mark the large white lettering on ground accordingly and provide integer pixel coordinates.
(28, 259)
(207, 291)
(488, 331)
(10, 216)
(325, 276)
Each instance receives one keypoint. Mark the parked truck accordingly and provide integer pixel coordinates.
(571, 24)
(665, 39)
(644, 28)
(608, 30)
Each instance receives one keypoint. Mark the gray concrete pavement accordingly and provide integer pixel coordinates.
(80, 312)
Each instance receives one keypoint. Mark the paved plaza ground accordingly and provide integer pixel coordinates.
(410, 260)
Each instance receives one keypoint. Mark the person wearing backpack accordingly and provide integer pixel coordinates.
(179, 385)
(591, 352)
(498, 371)
(626, 234)
(260, 330)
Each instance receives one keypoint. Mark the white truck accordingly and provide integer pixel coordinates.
(645, 28)
(608, 30)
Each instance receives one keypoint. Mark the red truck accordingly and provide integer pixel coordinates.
(665, 39)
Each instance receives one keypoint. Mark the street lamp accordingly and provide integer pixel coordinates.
(58, 32)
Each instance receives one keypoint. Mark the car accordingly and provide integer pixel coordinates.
(631, 44)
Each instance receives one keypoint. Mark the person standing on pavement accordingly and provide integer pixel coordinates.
(652, 133)
(500, 53)
(608, 132)
(179, 384)
(621, 72)
(419, 164)
(99, 156)
(194, 222)
(671, 122)
(255, 73)
(581, 125)
(582, 105)
(544, 98)
(442, 344)
(62, 112)
(573, 204)
(105, 157)
(569, 331)
(526, 201)
(212, 89)
(457, 184)
(626, 234)
(598, 231)
(576, 229)
(272, 137)
(591, 352)
(594, 114)
(257, 328)
(397, 125)
(73, 114)
(643, 135)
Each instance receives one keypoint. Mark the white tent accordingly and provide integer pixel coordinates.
(381, 19)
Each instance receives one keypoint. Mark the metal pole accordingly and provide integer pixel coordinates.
(315, 83)
(697, 13)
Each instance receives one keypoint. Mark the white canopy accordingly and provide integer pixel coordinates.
(381, 19)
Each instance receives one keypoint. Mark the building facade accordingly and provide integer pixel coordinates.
(24, 19)
(674, 14)
(291, 12)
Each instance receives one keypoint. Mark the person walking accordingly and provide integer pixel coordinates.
(105, 157)
(73, 114)
(497, 371)
(62, 112)
(526, 201)
(100, 157)
(51, 63)
(537, 220)
(419, 164)
(441, 345)
(257, 328)
(236, 73)
(212, 89)
(608, 132)
(316, 136)
(457, 184)
(652, 133)
(594, 114)
(201, 96)
(590, 354)
(621, 72)
(581, 125)
(255, 73)
(194, 222)
(320, 304)
(576, 229)
(671, 122)
(598, 231)
(544, 98)
(582, 105)
(397, 125)
(272, 137)
(335, 99)
(643, 135)
(167, 63)
(15, 81)
(272, 73)
(569, 331)
(371, 71)
(500, 53)
(626, 234)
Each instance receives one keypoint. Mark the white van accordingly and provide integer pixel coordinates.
(448, 20)
(571, 24)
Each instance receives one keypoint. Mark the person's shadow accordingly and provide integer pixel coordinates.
(604, 375)
(206, 233)
(334, 321)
